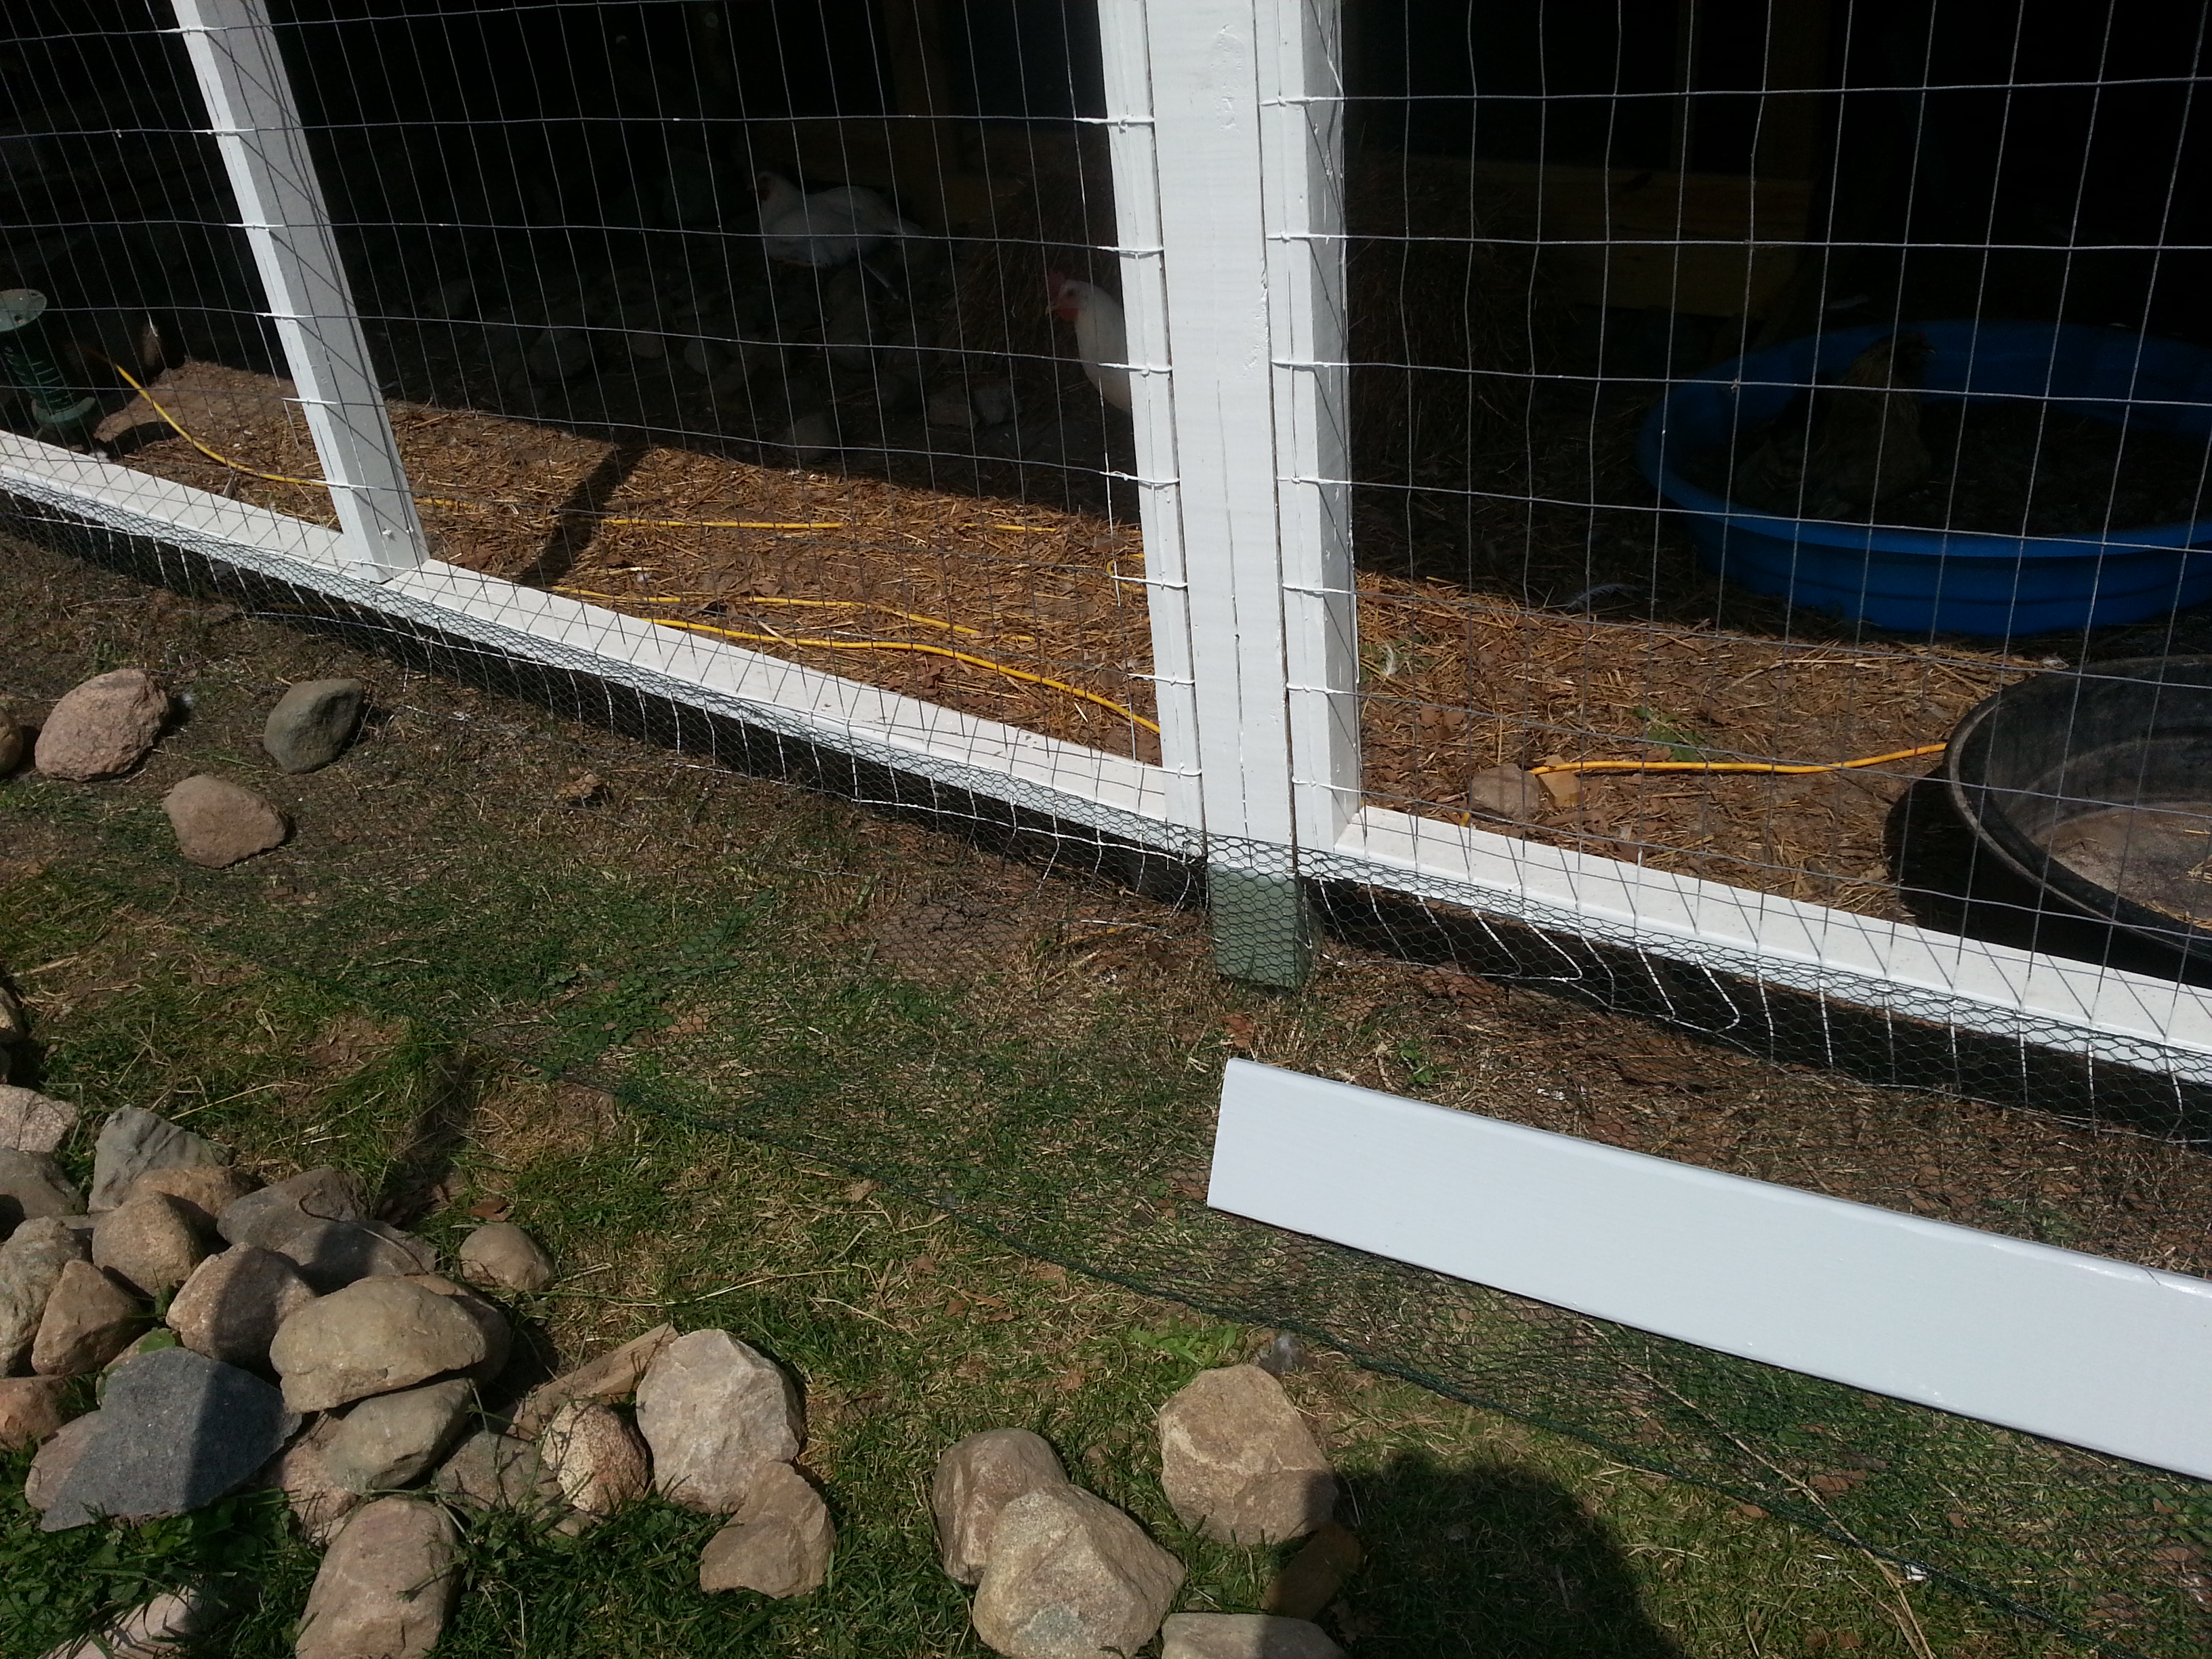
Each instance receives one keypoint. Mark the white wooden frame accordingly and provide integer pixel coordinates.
(1236, 327)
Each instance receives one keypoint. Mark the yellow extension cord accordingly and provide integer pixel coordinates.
(963, 657)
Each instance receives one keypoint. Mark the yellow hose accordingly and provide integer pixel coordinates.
(1735, 766)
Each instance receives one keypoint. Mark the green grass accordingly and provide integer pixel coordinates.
(907, 1330)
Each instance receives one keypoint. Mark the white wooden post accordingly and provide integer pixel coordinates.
(1248, 548)
(257, 124)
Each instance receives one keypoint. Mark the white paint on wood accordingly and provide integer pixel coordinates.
(2096, 1353)
(256, 125)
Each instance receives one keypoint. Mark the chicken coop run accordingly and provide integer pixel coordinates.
(1537, 485)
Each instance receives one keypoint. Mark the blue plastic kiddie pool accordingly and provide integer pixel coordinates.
(1949, 580)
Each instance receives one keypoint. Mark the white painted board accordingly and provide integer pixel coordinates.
(2099, 1353)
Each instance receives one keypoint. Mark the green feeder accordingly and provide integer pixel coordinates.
(30, 364)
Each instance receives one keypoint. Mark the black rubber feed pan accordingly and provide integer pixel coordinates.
(2096, 787)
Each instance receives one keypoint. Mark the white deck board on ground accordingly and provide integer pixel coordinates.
(2074, 1347)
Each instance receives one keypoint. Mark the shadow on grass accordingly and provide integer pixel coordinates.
(1492, 1559)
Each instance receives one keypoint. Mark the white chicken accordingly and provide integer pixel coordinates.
(828, 229)
(1102, 336)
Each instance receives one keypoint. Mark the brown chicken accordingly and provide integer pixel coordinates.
(1850, 443)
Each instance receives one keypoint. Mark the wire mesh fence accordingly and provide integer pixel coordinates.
(821, 331)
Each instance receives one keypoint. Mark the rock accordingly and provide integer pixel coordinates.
(132, 1142)
(162, 1625)
(231, 1306)
(612, 1377)
(498, 1336)
(302, 1472)
(89, 1319)
(56, 1459)
(273, 1214)
(371, 1338)
(31, 1263)
(701, 358)
(218, 824)
(1238, 1462)
(1282, 1356)
(154, 1241)
(210, 1188)
(597, 1459)
(1070, 1577)
(813, 437)
(311, 723)
(30, 1123)
(777, 1543)
(1508, 793)
(993, 402)
(30, 1410)
(176, 1430)
(646, 345)
(15, 1022)
(12, 742)
(331, 1254)
(1313, 1578)
(32, 1184)
(714, 1411)
(1243, 1636)
(950, 408)
(386, 1585)
(496, 1471)
(559, 354)
(393, 1439)
(103, 728)
(503, 1255)
(975, 1478)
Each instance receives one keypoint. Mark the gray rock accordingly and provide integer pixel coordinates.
(150, 1630)
(218, 823)
(1507, 792)
(613, 1375)
(271, 1216)
(312, 722)
(1238, 1461)
(31, 1263)
(176, 1430)
(331, 1254)
(714, 1411)
(210, 1188)
(56, 1459)
(779, 1542)
(373, 1337)
(498, 1472)
(103, 728)
(132, 1142)
(231, 1306)
(1071, 1578)
(32, 1184)
(975, 1478)
(30, 1123)
(302, 1473)
(154, 1241)
(597, 1459)
(1243, 1636)
(503, 1255)
(90, 1318)
(386, 1586)
(392, 1440)
(30, 1410)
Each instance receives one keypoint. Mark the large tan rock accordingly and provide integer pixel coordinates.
(334, 1253)
(231, 1306)
(501, 1255)
(132, 1142)
(267, 1218)
(597, 1459)
(153, 1241)
(220, 824)
(779, 1542)
(89, 1319)
(385, 1587)
(392, 1440)
(103, 728)
(1238, 1462)
(31, 1123)
(602, 1382)
(373, 1337)
(1243, 1636)
(30, 1410)
(1070, 1577)
(32, 1185)
(31, 1263)
(714, 1412)
(498, 1472)
(975, 1478)
(498, 1334)
(151, 1630)
(302, 1472)
(210, 1188)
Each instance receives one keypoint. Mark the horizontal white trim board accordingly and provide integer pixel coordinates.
(2073, 1348)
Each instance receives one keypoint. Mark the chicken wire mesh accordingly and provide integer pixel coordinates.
(883, 452)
